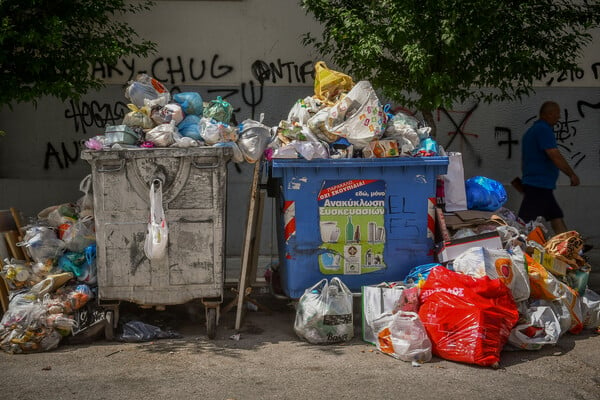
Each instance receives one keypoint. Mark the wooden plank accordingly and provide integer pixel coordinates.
(12, 238)
(249, 242)
(17, 217)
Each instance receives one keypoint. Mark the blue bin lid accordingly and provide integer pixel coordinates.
(279, 164)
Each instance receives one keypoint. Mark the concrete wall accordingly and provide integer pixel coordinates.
(228, 48)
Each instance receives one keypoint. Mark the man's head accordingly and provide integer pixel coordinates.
(550, 112)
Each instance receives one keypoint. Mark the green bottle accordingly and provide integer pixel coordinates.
(349, 230)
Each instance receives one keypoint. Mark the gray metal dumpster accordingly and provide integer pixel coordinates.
(194, 198)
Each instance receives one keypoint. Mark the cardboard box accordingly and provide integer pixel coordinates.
(551, 263)
(453, 248)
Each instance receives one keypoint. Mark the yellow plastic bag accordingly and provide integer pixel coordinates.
(330, 84)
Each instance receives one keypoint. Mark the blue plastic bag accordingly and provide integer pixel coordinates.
(484, 194)
(191, 103)
(190, 127)
(420, 272)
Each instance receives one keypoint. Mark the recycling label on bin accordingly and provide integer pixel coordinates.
(351, 221)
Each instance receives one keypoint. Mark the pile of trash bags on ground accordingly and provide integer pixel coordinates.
(48, 292)
(342, 119)
(471, 308)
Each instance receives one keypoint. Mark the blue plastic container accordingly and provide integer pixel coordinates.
(362, 220)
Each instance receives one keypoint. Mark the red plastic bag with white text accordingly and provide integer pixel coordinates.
(467, 319)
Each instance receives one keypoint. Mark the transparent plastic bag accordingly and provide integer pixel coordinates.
(138, 116)
(80, 235)
(405, 338)
(167, 113)
(541, 327)
(144, 88)
(324, 313)
(219, 110)
(42, 244)
(254, 138)
(213, 131)
(163, 135)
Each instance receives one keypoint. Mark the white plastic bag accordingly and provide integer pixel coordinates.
(324, 313)
(590, 307)
(403, 336)
(359, 116)
(541, 327)
(163, 135)
(157, 235)
(496, 263)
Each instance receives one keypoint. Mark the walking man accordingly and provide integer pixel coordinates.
(541, 163)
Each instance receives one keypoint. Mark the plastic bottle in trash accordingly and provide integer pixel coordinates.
(349, 230)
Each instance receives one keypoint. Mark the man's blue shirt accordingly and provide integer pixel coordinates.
(538, 169)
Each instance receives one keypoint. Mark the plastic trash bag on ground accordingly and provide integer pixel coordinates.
(324, 313)
(138, 331)
(403, 336)
(562, 298)
(23, 328)
(378, 300)
(590, 308)
(509, 267)
(541, 327)
(467, 319)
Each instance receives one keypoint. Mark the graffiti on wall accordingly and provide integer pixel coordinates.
(179, 71)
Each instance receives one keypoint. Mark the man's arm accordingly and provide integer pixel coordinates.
(562, 164)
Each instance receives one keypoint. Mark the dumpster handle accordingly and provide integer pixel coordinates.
(114, 168)
(198, 165)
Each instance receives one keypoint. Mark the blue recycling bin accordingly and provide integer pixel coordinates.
(364, 221)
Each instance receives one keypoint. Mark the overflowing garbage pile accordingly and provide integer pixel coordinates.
(48, 293)
(521, 292)
(342, 119)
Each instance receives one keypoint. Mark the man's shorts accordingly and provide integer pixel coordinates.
(539, 202)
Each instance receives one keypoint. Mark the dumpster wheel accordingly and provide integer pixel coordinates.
(212, 317)
(211, 322)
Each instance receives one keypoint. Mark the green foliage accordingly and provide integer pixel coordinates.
(48, 47)
(432, 53)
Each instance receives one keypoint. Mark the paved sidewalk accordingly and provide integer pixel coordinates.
(268, 361)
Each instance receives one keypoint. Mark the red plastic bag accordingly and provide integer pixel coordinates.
(467, 319)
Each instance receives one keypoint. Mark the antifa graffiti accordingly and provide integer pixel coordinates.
(285, 71)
